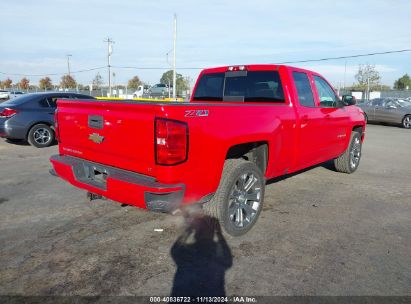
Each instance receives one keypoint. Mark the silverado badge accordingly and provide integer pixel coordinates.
(96, 138)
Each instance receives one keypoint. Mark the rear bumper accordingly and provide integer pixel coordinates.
(119, 185)
(7, 129)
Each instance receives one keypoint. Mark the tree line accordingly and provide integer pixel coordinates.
(369, 78)
(68, 81)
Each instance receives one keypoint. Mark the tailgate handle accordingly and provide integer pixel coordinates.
(95, 121)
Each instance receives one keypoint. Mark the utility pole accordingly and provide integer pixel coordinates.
(345, 72)
(174, 57)
(109, 52)
(68, 63)
(368, 86)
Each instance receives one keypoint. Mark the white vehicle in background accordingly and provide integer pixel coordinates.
(141, 91)
(4, 94)
(14, 94)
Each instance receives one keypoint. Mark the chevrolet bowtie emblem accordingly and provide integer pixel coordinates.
(96, 138)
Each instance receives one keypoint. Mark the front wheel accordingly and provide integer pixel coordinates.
(239, 198)
(349, 161)
(406, 122)
(40, 136)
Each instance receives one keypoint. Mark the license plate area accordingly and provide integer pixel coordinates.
(92, 174)
(98, 175)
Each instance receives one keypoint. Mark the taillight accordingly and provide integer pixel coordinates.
(7, 113)
(237, 68)
(56, 126)
(171, 141)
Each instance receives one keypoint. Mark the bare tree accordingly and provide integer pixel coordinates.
(24, 83)
(68, 81)
(45, 83)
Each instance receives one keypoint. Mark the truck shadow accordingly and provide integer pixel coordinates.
(17, 142)
(329, 165)
(22, 142)
(202, 256)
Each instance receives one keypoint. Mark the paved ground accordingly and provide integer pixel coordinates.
(321, 233)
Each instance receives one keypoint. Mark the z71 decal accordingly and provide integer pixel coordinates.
(196, 113)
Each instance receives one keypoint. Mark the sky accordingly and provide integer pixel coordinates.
(36, 36)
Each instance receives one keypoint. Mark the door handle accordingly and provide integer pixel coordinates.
(304, 119)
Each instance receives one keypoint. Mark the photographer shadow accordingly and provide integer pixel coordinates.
(202, 257)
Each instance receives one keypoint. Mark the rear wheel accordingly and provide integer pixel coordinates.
(349, 161)
(239, 198)
(406, 122)
(40, 136)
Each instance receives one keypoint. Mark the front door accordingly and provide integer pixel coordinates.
(336, 121)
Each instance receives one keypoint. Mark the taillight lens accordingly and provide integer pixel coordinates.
(237, 68)
(171, 141)
(56, 126)
(7, 113)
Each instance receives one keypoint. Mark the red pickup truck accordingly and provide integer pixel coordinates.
(242, 126)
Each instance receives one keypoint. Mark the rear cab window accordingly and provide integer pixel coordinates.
(304, 91)
(240, 86)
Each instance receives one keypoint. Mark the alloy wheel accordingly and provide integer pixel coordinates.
(244, 200)
(41, 136)
(355, 153)
(407, 122)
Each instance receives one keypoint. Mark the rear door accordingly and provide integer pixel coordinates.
(388, 112)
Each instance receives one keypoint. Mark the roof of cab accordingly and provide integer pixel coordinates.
(254, 67)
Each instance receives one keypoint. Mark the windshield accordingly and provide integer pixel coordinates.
(404, 103)
(254, 86)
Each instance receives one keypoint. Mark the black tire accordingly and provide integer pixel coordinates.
(35, 136)
(349, 161)
(406, 122)
(218, 207)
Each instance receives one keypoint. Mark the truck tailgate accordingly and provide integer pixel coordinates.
(117, 134)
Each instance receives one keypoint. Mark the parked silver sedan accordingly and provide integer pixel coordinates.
(396, 111)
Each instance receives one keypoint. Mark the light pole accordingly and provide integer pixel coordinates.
(114, 84)
(345, 72)
(68, 63)
(174, 57)
(109, 52)
(169, 84)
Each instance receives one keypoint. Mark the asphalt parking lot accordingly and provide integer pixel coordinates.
(320, 233)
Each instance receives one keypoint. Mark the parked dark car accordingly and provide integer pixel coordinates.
(388, 110)
(31, 117)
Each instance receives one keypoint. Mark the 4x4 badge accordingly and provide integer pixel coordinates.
(96, 138)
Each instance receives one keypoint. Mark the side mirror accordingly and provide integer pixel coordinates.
(349, 100)
(390, 107)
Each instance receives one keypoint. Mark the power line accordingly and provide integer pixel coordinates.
(52, 74)
(345, 57)
(285, 62)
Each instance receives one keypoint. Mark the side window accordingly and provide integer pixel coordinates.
(44, 103)
(210, 87)
(326, 94)
(53, 101)
(305, 94)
